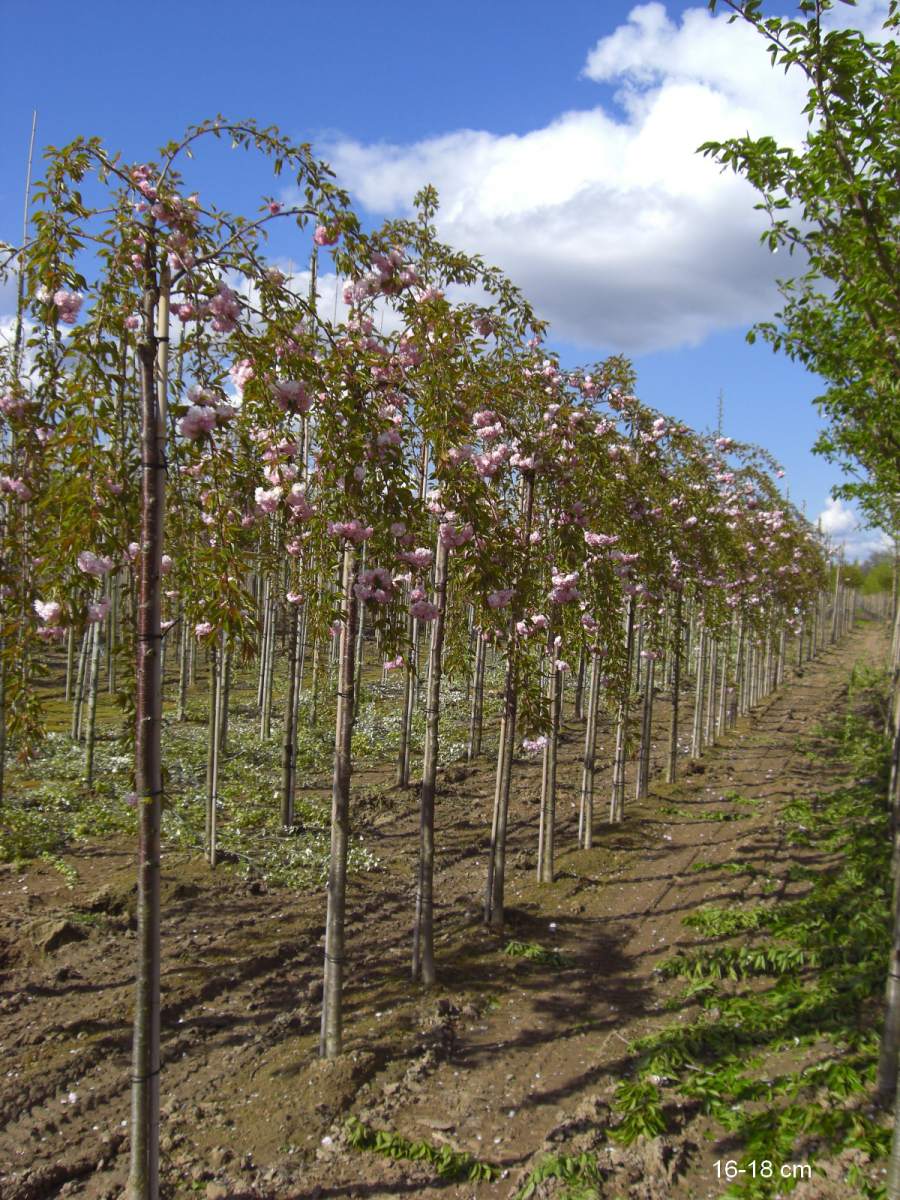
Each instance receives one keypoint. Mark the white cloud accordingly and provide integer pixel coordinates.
(841, 525)
(618, 232)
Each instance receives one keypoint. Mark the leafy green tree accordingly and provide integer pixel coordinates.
(835, 202)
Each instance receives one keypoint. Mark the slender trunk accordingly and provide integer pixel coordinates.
(409, 701)
(423, 938)
(496, 880)
(547, 830)
(579, 684)
(265, 719)
(153, 355)
(677, 638)
(112, 633)
(699, 693)
(288, 745)
(643, 766)
(217, 701)
(90, 734)
(477, 717)
(211, 745)
(225, 699)
(617, 802)
(589, 767)
(332, 1036)
(70, 662)
(78, 697)
(183, 668)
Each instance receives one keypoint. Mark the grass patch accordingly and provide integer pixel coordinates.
(784, 1052)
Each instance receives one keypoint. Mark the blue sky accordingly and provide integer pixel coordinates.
(561, 138)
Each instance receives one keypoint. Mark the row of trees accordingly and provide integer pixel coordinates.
(192, 452)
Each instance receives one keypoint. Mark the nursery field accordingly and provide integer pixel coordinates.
(697, 993)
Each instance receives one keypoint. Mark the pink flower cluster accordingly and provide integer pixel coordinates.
(240, 373)
(291, 396)
(267, 501)
(68, 305)
(376, 585)
(97, 611)
(488, 464)
(534, 745)
(49, 611)
(453, 536)
(14, 487)
(323, 236)
(598, 541)
(197, 421)
(94, 564)
(353, 531)
(387, 276)
(565, 587)
(500, 598)
(420, 608)
(418, 559)
(393, 663)
(225, 308)
(13, 406)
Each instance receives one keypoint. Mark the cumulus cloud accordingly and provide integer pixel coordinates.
(841, 525)
(619, 233)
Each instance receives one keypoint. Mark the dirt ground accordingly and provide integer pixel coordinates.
(506, 1059)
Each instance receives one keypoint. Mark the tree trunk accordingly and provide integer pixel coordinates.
(153, 357)
(70, 662)
(423, 937)
(332, 1035)
(78, 697)
(547, 830)
(677, 638)
(617, 801)
(589, 766)
(91, 732)
(477, 717)
(289, 745)
(496, 880)
(642, 782)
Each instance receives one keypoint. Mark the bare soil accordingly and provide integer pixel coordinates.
(505, 1059)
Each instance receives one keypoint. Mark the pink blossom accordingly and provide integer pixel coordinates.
(375, 584)
(96, 612)
(419, 559)
(203, 628)
(393, 663)
(294, 597)
(274, 207)
(291, 396)
(564, 587)
(500, 598)
(134, 549)
(588, 623)
(452, 535)
(267, 501)
(15, 487)
(51, 632)
(225, 308)
(423, 610)
(94, 564)
(353, 530)
(68, 305)
(398, 528)
(197, 421)
(539, 621)
(49, 611)
(13, 406)
(323, 236)
(534, 745)
(133, 321)
(240, 373)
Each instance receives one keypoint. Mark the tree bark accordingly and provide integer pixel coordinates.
(589, 766)
(332, 996)
(423, 937)
(153, 361)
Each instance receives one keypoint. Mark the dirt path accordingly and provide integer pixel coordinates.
(507, 1059)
